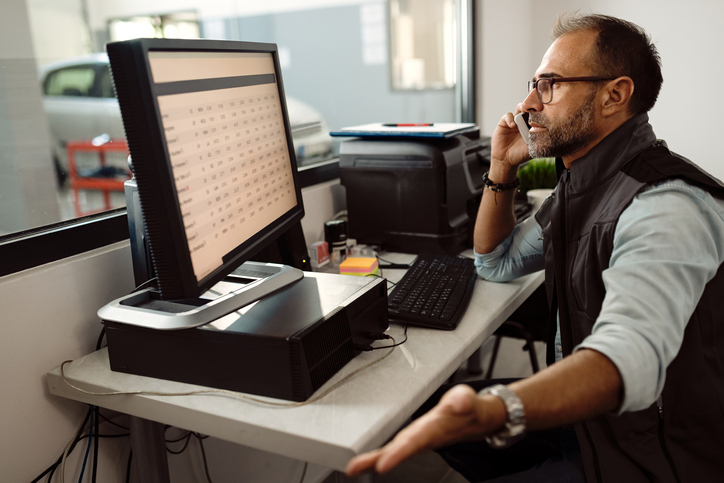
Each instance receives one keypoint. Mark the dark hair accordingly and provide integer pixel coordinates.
(622, 49)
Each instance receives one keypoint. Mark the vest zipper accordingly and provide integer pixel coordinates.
(662, 441)
(596, 464)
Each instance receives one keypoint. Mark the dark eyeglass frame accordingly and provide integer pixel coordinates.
(534, 84)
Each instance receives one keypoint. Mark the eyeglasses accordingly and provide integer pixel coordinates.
(544, 86)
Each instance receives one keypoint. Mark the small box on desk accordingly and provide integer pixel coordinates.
(286, 345)
(360, 266)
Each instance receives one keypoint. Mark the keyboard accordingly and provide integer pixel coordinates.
(434, 292)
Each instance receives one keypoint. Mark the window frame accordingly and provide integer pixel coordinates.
(31, 248)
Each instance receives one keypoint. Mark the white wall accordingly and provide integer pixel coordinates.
(48, 316)
(690, 39)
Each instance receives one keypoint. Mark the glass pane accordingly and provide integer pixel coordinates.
(60, 125)
(422, 42)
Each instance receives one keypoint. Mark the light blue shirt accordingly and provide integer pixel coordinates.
(667, 245)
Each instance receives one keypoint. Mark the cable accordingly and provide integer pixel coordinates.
(112, 422)
(97, 412)
(396, 344)
(90, 442)
(187, 437)
(203, 455)
(144, 284)
(340, 215)
(128, 466)
(224, 391)
(374, 275)
(391, 264)
(304, 472)
(51, 469)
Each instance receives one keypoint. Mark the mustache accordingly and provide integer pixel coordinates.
(537, 118)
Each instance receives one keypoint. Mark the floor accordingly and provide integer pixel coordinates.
(512, 361)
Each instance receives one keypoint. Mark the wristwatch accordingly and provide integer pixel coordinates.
(514, 429)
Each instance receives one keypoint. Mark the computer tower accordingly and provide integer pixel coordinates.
(286, 345)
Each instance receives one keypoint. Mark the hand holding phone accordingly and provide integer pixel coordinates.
(521, 119)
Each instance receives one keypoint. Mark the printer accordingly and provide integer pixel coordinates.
(414, 194)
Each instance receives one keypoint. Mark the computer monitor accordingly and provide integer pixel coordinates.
(208, 132)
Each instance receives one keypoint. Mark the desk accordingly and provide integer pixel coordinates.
(359, 415)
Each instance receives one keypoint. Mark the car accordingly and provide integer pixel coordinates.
(80, 104)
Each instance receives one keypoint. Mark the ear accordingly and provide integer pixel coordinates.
(617, 96)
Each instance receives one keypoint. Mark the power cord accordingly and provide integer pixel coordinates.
(187, 438)
(396, 344)
(50, 471)
(304, 472)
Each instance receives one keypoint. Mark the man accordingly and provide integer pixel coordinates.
(632, 242)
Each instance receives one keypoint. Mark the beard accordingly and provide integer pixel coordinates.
(564, 138)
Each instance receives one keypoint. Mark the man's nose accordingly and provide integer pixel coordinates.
(531, 103)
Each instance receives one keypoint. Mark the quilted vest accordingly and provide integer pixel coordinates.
(681, 437)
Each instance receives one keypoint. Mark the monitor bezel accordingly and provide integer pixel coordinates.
(168, 244)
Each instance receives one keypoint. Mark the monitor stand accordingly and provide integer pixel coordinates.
(247, 284)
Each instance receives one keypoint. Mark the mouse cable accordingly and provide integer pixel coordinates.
(233, 394)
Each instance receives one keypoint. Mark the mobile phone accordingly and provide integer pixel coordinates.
(521, 120)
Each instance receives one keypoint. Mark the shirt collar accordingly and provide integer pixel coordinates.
(611, 154)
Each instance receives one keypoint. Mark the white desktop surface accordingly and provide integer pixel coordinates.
(359, 415)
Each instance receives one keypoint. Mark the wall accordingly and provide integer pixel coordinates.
(48, 316)
(690, 39)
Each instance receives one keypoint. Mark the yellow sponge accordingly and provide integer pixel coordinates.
(359, 266)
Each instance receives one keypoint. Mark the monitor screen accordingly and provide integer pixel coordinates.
(208, 132)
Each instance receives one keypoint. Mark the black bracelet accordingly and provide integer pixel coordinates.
(499, 187)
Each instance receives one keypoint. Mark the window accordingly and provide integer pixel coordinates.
(422, 42)
(61, 90)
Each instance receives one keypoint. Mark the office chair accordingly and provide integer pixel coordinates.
(529, 323)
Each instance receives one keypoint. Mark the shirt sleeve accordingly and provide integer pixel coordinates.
(668, 244)
(519, 254)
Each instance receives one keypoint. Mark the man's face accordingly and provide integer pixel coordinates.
(564, 136)
(567, 126)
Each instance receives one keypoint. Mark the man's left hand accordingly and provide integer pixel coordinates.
(460, 415)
